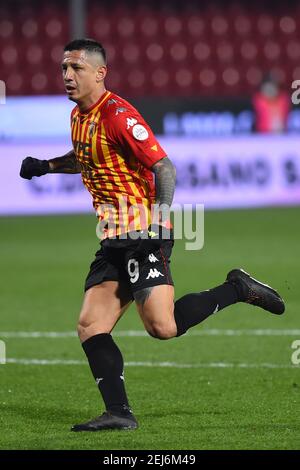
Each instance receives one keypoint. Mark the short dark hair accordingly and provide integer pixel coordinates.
(89, 45)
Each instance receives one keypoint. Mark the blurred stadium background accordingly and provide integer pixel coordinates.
(214, 80)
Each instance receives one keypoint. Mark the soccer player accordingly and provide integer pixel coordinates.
(126, 171)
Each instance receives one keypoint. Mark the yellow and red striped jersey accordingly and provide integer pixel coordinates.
(116, 149)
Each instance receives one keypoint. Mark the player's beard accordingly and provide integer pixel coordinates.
(74, 95)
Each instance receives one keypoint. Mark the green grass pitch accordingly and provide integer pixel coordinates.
(238, 389)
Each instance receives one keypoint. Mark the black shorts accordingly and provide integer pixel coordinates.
(120, 260)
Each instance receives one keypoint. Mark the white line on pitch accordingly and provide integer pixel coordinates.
(142, 333)
(175, 365)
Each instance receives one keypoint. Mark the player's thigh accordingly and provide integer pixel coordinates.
(152, 286)
(103, 306)
(156, 308)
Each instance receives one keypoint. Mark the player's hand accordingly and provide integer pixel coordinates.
(33, 167)
(154, 238)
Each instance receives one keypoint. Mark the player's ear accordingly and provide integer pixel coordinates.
(101, 73)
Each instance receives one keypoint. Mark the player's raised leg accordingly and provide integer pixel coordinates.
(164, 319)
(103, 306)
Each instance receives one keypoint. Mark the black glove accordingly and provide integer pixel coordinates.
(33, 167)
(154, 238)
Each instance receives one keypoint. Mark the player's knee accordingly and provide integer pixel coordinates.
(87, 328)
(162, 330)
(83, 323)
(82, 327)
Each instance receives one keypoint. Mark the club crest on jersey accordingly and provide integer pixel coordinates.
(92, 128)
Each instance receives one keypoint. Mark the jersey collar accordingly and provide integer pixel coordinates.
(98, 104)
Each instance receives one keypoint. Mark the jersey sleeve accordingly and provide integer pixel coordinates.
(129, 130)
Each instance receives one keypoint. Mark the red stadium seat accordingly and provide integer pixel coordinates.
(15, 83)
(30, 28)
(7, 28)
(155, 52)
(248, 50)
(172, 26)
(287, 25)
(202, 51)
(100, 28)
(219, 25)
(254, 76)
(195, 26)
(10, 55)
(131, 53)
(148, 26)
(242, 26)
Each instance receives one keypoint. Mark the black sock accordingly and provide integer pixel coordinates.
(192, 309)
(106, 363)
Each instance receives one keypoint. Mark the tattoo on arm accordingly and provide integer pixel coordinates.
(165, 178)
(142, 295)
(66, 164)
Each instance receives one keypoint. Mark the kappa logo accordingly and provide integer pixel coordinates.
(131, 122)
(152, 258)
(154, 273)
